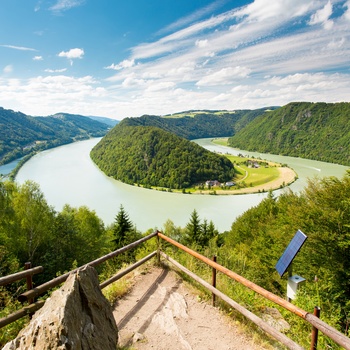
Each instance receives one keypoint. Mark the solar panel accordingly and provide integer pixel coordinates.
(291, 251)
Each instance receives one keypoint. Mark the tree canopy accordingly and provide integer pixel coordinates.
(21, 134)
(153, 157)
(319, 131)
(199, 124)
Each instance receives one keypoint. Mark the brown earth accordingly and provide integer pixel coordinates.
(161, 312)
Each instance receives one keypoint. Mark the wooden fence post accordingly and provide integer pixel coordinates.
(314, 334)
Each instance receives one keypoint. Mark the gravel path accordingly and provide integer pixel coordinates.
(162, 313)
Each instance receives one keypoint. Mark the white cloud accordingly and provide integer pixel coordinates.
(72, 54)
(8, 69)
(122, 65)
(261, 10)
(322, 16)
(37, 58)
(347, 11)
(202, 43)
(21, 48)
(224, 76)
(131, 81)
(63, 5)
(55, 70)
(264, 53)
(193, 17)
(165, 85)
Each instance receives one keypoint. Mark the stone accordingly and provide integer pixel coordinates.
(76, 316)
(274, 318)
(138, 337)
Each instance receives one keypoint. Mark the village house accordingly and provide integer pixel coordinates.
(211, 183)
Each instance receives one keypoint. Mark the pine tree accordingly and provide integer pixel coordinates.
(122, 227)
(193, 228)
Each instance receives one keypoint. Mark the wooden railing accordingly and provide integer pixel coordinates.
(317, 324)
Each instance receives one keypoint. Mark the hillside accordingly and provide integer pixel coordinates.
(21, 134)
(199, 124)
(104, 120)
(319, 131)
(154, 157)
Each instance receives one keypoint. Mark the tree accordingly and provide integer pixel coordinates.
(193, 228)
(33, 222)
(122, 227)
(125, 233)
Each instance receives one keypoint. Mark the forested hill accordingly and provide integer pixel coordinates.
(319, 131)
(154, 157)
(21, 134)
(199, 124)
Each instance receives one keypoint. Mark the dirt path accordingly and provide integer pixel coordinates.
(162, 313)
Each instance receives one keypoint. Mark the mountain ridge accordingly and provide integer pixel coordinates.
(318, 131)
(21, 134)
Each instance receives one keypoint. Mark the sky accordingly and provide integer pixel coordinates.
(118, 58)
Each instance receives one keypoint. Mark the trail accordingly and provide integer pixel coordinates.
(162, 313)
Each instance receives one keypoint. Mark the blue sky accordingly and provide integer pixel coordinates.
(127, 58)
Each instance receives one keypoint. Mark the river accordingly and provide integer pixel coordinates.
(66, 174)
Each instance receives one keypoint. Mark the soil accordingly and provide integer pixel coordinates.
(162, 312)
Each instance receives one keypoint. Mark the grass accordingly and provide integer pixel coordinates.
(246, 175)
(221, 141)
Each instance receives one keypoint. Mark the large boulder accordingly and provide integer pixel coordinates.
(77, 316)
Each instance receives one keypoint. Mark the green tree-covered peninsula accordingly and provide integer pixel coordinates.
(150, 156)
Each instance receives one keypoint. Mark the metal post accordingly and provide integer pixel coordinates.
(214, 280)
(314, 334)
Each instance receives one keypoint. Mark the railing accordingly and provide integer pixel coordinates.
(31, 294)
(317, 324)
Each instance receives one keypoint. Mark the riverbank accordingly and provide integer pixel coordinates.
(286, 177)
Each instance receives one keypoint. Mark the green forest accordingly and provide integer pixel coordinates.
(151, 156)
(319, 131)
(30, 230)
(22, 135)
(138, 152)
(199, 124)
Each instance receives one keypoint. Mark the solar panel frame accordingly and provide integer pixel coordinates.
(291, 251)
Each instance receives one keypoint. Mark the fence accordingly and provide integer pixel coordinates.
(317, 324)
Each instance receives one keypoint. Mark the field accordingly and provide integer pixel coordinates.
(251, 176)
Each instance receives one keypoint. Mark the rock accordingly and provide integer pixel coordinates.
(77, 316)
(138, 337)
(274, 318)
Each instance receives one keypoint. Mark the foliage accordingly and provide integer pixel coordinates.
(30, 230)
(153, 157)
(200, 124)
(196, 234)
(124, 233)
(122, 228)
(21, 134)
(319, 131)
(116, 290)
(259, 237)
